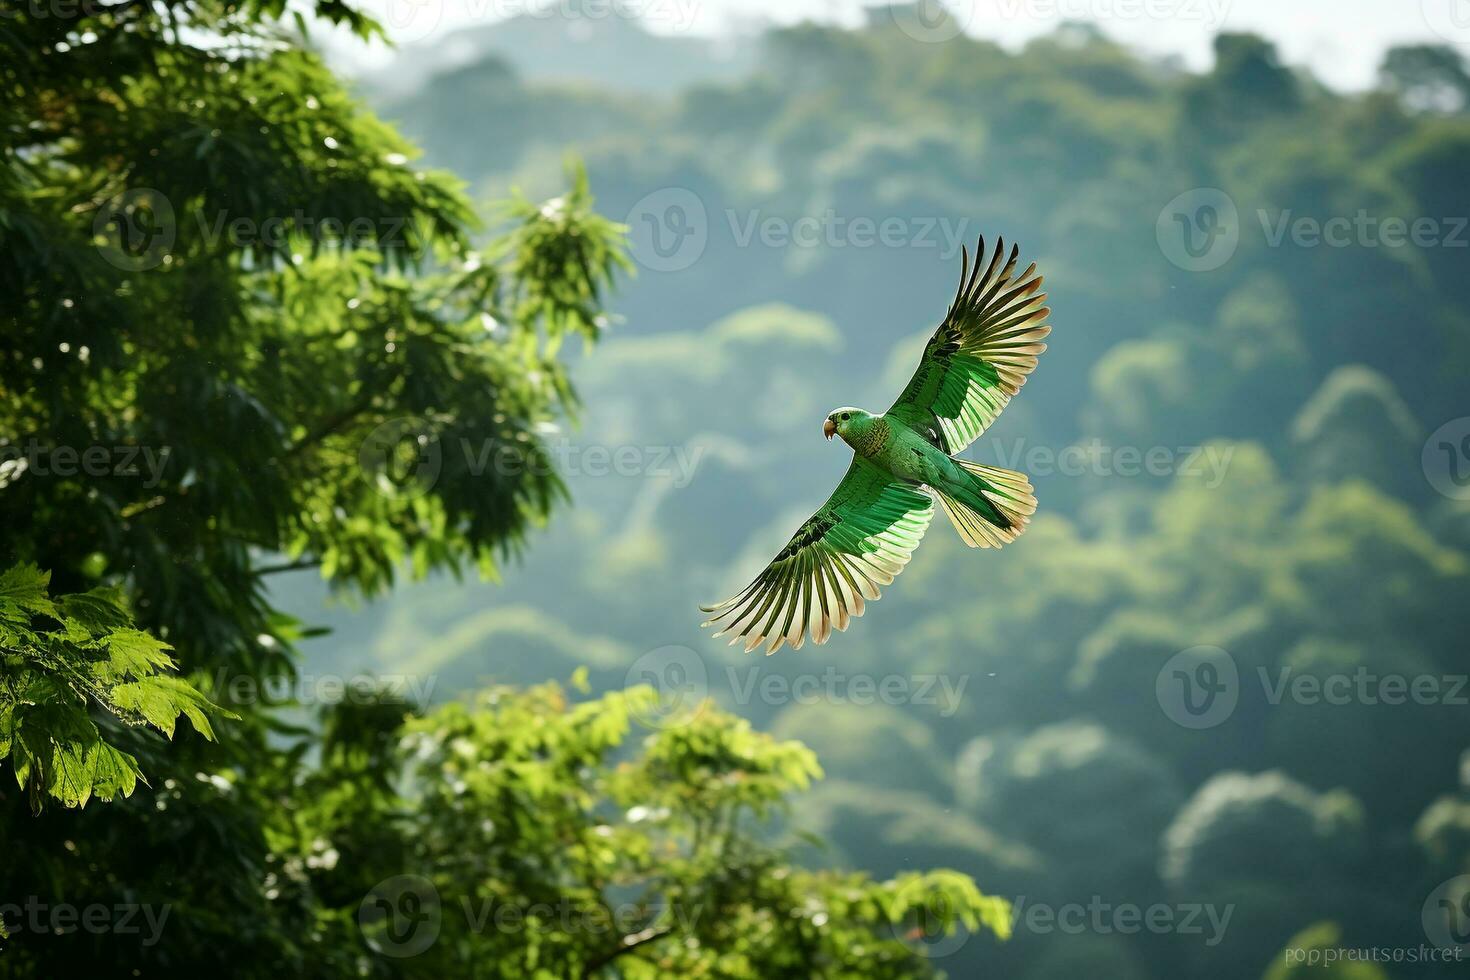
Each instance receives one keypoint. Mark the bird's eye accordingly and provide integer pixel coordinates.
(846, 416)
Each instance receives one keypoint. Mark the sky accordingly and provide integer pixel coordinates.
(1342, 41)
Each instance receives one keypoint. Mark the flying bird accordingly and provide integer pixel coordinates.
(905, 459)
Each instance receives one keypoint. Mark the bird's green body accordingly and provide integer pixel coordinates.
(894, 447)
(903, 460)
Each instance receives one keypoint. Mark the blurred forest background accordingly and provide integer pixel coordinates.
(1317, 372)
(1242, 440)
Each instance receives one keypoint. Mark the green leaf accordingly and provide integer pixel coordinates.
(50, 680)
(95, 611)
(160, 700)
(23, 589)
(133, 653)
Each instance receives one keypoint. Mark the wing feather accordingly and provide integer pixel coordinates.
(859, 540)
(980, 355)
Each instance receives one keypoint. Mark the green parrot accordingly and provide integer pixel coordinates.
(902, 461)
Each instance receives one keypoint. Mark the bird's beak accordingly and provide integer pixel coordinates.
(829, 429)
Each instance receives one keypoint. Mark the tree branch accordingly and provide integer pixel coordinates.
(629, 944)
(290, 566)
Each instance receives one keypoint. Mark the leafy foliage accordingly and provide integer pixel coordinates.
(51, 679)
(555, 843)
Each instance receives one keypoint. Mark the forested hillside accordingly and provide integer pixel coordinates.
(1248, 436)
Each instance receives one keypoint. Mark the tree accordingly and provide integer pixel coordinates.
(1427, 76)
(1277, 853)
(218, 361)
(1031, 788)
(1248, 84)
(549, 841)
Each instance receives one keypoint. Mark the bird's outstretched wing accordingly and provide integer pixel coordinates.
(860, 539)
(980, 355)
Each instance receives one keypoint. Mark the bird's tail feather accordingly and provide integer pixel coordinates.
(992, 509)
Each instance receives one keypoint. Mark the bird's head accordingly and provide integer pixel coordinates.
(845, 422)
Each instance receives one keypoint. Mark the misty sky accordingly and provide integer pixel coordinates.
(1341, 40)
